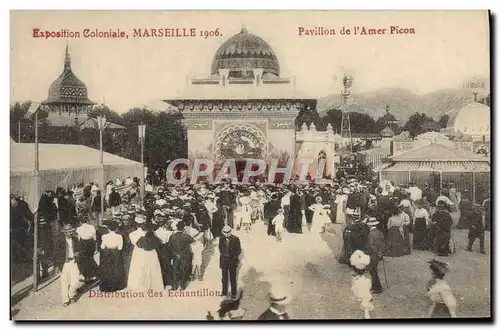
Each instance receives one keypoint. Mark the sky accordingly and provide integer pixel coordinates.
(448, 47)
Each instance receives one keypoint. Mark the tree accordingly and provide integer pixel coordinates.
(332, 117)
(443, 121)
(308, 115)
(419, 123)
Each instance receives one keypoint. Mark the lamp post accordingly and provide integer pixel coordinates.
(142, 136)
(101, 122)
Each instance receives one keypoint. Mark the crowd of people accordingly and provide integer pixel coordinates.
(158, 241)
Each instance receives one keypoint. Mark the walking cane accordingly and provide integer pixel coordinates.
(385, 273)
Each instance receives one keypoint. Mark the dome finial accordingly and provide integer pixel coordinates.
(67, 59)
(243, 29)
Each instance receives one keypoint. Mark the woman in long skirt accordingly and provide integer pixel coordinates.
(420, 227)
(396, 245)
(321, 216)
(145, 271)
(111, 270)
(87, 237)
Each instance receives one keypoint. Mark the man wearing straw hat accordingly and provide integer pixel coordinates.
(375, 249)
(70, 276)
(230, 251)
(278, 298)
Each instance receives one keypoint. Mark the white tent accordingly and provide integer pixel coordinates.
(62, 165)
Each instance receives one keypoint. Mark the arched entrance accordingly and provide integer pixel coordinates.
(241, 142)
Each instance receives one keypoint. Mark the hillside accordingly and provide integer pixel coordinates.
(402, 102)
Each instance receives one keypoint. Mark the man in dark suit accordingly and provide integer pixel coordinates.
(278, 300)
(230, 250)
(375, 249)
(180, 245)
(476, 228)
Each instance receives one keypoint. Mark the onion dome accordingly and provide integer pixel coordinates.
(67, 88)
(244, 52)
(472, 119)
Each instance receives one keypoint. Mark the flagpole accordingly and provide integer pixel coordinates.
(36, 269)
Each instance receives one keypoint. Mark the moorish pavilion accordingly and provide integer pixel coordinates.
(68, 102)
(245, 109)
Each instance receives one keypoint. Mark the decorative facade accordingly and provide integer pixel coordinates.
(244, 110)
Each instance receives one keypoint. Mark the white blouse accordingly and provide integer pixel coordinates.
(86, 231)
(136, 234)
(422, 213)
(112, 240)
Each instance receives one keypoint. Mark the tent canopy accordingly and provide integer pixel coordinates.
(62, 165)
(60, 156)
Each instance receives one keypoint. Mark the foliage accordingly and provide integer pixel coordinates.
(443, 121)
(165, 134)
(420, 123)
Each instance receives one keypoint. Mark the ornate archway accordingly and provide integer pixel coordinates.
(240, 141)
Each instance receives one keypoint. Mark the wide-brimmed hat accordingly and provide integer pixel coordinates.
(68, 228)
(279, 294)
(372, 221)
(227, 230)
(139, 218)
(439, 266)
(359, 260)
(318, 199)
(244, 200)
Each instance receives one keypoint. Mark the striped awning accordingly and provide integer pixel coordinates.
(460, 166)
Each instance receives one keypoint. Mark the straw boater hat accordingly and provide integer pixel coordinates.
(244, 200)
(372, 221)
(359, 260)
(68, 228)
(158, 212)
(227, 230)
(199, 235)
(279, 294)
(140, 218)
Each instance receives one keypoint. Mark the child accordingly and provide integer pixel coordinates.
(439, 292)
(70, 276)
(361, 285)
(277, 222)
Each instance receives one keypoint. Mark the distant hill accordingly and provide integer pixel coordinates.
(402, 102)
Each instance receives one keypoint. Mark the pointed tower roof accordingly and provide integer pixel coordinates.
(68, 88)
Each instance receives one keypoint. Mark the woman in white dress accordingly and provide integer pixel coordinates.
(341, 206)
(197, 249)
(321, 215)
(145, 271)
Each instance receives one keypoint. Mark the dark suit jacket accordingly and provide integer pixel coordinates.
(376, 243)
(270, 315)
(180, 244)
(230, 249)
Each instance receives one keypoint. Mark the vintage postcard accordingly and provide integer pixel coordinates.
(250, 165)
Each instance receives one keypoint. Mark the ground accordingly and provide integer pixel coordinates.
(306, 263)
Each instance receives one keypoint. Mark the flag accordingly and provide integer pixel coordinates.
(34, 107)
